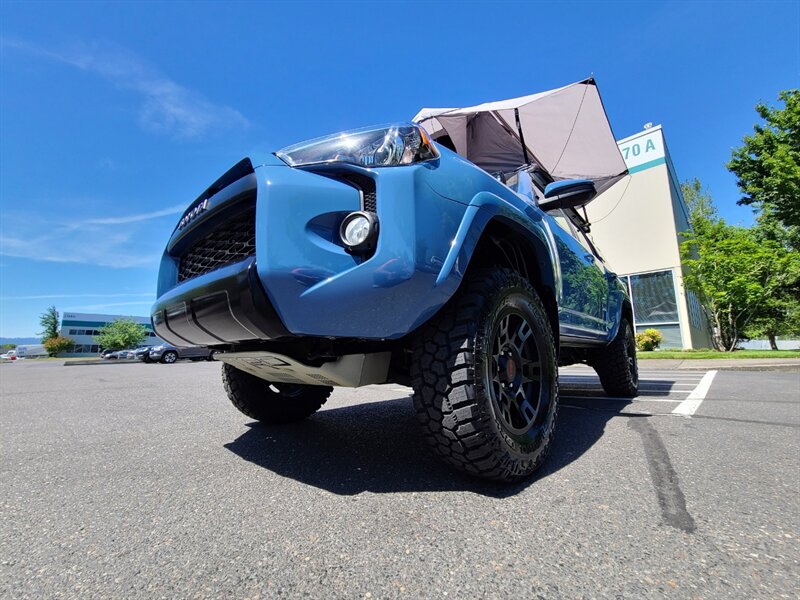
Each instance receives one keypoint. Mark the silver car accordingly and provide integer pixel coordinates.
(169, 354)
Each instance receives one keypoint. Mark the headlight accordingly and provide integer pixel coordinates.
(386, 146)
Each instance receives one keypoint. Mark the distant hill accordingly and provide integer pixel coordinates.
(18, 341)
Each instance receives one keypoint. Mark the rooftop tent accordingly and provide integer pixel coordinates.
(564, 132)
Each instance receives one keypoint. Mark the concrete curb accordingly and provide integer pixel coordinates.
(767, 367)
(72, 363)
(730, 364)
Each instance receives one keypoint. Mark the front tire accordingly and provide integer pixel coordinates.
(272, 403)
(616, 364)
(169, 357)
(485, 379)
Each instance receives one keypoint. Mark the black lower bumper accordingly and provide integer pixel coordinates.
(230, 307)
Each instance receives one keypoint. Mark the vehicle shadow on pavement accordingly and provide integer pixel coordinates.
(377, 447)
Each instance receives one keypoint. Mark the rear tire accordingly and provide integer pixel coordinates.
(272, 403)
(616, 364)
(485, 378)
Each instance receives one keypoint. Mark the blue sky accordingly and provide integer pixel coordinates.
(114, 116)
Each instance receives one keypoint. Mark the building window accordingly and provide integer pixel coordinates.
(654, 297)
(694, 309)
(655, 305)
(670, 333)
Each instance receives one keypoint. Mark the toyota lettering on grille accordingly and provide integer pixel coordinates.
(192, 214)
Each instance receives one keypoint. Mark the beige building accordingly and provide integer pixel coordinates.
(637, 225)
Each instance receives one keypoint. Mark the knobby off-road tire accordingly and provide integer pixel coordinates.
(485, 378)
(616, 364)
(272, 403)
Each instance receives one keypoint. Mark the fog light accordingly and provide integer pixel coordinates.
(359, 231)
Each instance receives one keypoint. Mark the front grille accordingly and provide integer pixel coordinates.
(232, 241)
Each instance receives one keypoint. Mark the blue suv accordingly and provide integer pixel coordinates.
(382, 256)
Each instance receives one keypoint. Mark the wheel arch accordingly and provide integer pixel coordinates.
(625, 311)
(504, 242)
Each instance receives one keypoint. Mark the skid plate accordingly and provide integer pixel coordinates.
(350, 370)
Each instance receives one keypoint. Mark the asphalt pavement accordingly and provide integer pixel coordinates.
(139, 480)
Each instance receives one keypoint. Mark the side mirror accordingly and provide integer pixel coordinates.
(567, 194)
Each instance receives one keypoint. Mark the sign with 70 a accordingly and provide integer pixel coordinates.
(643, 148)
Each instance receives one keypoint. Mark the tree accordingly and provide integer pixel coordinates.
(56, 345)
(776, 318)
(735, 275)
(701, 207)
(780, 312)
(121, 334)
(767, 165)
(50, 322)
(746, 278)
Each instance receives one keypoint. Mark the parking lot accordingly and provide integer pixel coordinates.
(132, 480)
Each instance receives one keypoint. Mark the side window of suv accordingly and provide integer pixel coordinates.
(579, 234)
(563, 222)
(585, 241)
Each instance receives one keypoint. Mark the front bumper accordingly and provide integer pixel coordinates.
(221, 307)
(301, 281)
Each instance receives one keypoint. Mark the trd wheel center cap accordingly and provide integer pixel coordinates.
(511, 369)
(508, 363)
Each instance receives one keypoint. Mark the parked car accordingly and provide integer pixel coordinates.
(142, 353)
(167, 353)
(107, 354)
(454, 258)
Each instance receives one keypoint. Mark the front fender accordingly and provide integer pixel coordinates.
(619, 307)
(486, 207)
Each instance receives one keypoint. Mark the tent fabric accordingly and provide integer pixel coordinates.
(566, 133)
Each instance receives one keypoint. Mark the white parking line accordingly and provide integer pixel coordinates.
(689, 406)
(615, 399)
(643, 384)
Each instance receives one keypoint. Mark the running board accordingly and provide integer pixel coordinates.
(350, 370)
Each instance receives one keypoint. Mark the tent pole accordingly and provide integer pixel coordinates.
(521, 137)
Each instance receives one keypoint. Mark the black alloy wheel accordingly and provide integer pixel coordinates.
(485, 378)
(515, 373)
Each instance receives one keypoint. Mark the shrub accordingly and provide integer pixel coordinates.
(649, 340)
(121, 334)
(57, 344)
